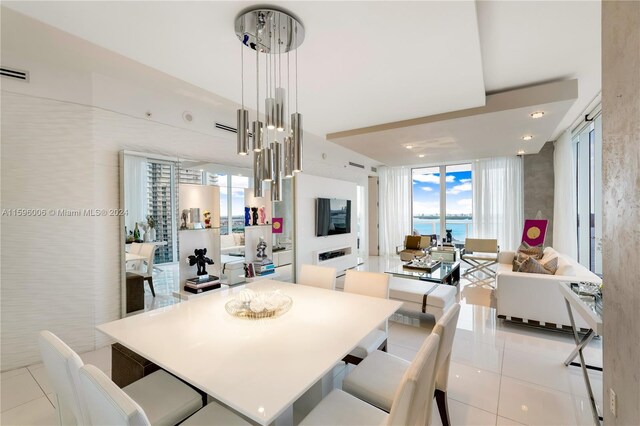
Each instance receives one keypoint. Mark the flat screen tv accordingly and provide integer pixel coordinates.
(333, 217)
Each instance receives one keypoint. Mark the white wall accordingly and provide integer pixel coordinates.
(61, 134)
(307, 189)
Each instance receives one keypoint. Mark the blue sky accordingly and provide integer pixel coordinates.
(426, 192)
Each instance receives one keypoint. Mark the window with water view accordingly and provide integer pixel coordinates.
(430, 215)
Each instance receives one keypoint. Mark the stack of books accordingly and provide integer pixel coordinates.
(200, 285)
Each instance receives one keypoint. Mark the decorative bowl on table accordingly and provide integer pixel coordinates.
(249, 304)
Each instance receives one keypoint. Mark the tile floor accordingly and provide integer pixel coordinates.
(501, 374)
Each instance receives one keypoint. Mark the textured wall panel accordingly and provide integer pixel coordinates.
(63, 274)
(538, 187)
(621, 185)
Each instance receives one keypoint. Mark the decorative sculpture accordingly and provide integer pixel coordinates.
(198, 258)
(263, 215)
(449, 236)
(247, 216)
(184, 216)
(254, 211)
(262, 249)
(207, 218)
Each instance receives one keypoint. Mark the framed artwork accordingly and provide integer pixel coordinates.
(534, 232)
(277, 225)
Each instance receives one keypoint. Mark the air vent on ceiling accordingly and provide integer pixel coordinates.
(374, 169)
(15, 74)
(226, 128)
(360, 166)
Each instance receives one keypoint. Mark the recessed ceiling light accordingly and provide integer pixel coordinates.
(409, 146)
(201, 170)
(421, 155)
(537, 114)
(521, 152)
(527, 137)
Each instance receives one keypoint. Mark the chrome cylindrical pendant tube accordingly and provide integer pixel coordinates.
(267, 165)
(279, 109)
(270, 113)
(258, 136)
(243, 132)
(288, 158)
(296, 136)
(276, 186)
(257, 174)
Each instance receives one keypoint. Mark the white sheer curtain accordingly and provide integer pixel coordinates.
(136, 198)
(395, 207)
(498, 206)
(565, 225)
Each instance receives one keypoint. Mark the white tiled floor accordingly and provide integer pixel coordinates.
(501, 374)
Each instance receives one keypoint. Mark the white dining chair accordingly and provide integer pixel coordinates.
(148, 251)
(318, 276)
(368, 284)
(165, 399)
(107, 404)
(62, 365)
(411, 404)
(377, 378)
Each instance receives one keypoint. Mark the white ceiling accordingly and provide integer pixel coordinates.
(364, 63)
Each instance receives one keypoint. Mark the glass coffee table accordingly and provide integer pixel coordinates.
(447, 273)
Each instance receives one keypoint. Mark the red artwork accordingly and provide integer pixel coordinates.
(277, 225)
(534, 231)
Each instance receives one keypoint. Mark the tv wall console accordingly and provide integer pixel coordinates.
(328, 255)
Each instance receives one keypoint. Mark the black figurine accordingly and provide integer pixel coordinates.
(254, 211)
(449, 236)
(199, 258)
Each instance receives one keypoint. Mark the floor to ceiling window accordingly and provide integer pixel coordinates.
(588, 149)
(442, 200)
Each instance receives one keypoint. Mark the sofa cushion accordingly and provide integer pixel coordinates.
(238, 238)
(565, 267)
(533, 266)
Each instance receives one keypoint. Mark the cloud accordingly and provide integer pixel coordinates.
(426, 188)
(426, 207)
(460, 188)
(465, 202)
(465, 180)
(432, 178)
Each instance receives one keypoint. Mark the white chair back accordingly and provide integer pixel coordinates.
(107, 404)
(148, 251)
(318, 276)
(446, 329)
(478, 245)
(413, 399)
(134, 248)
(373, 284)
(62, 365)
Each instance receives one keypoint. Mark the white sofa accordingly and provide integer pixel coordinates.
(232, 243)
(536, 298)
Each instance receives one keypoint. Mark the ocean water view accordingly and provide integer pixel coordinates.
(462, 228)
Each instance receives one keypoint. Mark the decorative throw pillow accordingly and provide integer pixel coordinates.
(533, 266)
(526, 249)
(413, 242)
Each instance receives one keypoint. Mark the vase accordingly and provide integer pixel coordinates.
(152, 236)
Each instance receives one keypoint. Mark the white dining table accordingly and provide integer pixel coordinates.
(257, 367)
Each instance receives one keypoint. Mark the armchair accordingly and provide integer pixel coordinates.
(414, 246)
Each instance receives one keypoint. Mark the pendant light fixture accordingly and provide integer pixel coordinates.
(243, 114)
(271, 32)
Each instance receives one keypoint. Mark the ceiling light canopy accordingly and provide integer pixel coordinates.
(521, 152)
(409, 146)
(527, 137)
(537, 114)
(421, 155)
(272, 34)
